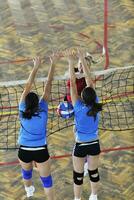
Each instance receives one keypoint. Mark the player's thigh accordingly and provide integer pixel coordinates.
(26, 166)
(78, 164)
(44, 168)
(93, 162)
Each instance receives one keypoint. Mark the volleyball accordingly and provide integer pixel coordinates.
(65, 110)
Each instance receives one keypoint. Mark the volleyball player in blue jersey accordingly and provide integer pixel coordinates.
(32, 138)
(86, 119)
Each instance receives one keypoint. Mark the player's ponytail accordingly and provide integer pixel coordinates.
(32, 106)
(89, 98)
(96, 107)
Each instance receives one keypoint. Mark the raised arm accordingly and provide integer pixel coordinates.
(73, 87)
(48, 83)
(86, 68)
(31, 78)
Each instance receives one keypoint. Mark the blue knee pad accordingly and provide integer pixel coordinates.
(47, 181)
(26, 174)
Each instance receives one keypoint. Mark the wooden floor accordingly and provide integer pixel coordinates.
(116, 170)
(36, 27)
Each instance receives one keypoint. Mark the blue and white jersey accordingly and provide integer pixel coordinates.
(33, 131)
(86, 127)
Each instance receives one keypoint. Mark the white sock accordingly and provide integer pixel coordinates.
(93, 197)
(30, 190)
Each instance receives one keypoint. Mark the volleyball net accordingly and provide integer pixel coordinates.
(115, 89)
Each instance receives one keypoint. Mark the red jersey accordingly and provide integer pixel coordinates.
(80, 83)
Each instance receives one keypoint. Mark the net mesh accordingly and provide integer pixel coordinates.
(115, 88)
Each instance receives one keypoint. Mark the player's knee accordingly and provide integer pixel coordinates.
(94, 175)
(26, 174)
(47, 181)
(78, 178)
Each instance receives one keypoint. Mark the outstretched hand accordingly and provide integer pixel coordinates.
(54, 57)
(37, 62)
(70, 55)
(81, 53)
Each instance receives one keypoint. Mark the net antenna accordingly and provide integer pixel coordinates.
(115, 88)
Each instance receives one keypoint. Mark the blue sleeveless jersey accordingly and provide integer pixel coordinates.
(86, 128)
(33, 131)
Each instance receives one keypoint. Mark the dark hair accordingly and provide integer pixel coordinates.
(89, 99)
(32, 105)
(76, 69)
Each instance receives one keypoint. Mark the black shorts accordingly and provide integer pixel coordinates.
(38, 156)
(87, 148)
